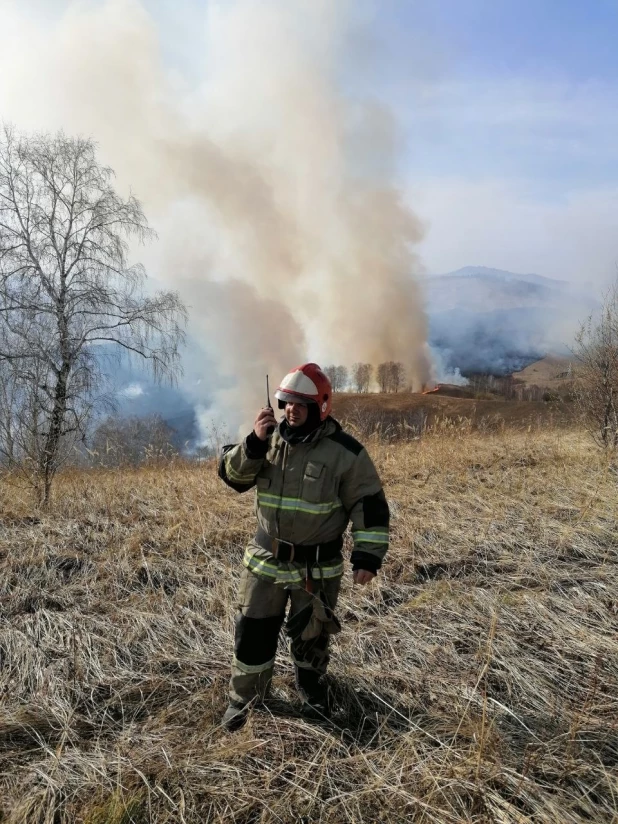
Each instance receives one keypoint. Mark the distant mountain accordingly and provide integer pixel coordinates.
(495, 321)
(504, 275)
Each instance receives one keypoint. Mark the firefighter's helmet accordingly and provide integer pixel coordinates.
(306, 384)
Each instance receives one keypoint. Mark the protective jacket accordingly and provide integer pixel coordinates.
(306, 494)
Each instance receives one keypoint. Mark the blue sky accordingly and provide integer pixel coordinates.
(520, 87)
(510, 112)
(571, 37)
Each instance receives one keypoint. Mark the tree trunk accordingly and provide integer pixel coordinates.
(52, 441)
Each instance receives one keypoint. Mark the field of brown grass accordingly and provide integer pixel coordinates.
(476, 680)
(552, 371)
(389, 412)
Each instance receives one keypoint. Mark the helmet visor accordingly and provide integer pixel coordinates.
(283, 396)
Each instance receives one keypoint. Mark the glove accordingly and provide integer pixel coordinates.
(313, 620)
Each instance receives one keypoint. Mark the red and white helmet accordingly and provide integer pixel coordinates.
(307, 384)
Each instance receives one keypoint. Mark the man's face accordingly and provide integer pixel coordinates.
(296, 413)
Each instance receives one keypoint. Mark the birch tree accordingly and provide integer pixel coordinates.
(362, 374)
(68, 296)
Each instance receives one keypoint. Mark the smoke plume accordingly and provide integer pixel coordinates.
(271, 184)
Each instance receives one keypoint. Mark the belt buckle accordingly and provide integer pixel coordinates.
(276, 542)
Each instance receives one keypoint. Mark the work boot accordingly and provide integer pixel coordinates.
(235, 716)
(313, 694)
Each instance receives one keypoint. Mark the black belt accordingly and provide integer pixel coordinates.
(287, 552)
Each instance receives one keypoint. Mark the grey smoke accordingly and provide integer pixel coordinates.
(495, 322)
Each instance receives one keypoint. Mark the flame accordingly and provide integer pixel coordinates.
(429, 391)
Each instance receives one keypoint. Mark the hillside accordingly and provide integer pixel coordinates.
(475, 681)
(478, 288)
(493, 321)
(553, 372)
(504, 276)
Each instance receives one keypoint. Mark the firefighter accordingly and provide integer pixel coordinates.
(311, 479)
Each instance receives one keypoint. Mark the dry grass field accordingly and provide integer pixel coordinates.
(390, 412)
(476, 680)
(552, 371)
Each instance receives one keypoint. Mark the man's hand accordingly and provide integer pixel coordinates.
(265, 419)
(362, 576)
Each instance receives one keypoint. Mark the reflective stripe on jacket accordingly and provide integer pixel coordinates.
(307, 493)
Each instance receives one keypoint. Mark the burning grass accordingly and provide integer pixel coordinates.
(477, 680)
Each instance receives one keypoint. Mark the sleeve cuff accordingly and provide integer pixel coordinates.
(363, 560)
(255, 448)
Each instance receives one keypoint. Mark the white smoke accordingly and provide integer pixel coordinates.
(270, 186)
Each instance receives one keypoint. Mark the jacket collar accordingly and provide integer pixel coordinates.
(328, 427)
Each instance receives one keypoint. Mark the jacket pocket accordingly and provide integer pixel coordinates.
(313, 482)
(262, 483)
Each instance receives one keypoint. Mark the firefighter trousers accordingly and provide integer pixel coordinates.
(260, 614)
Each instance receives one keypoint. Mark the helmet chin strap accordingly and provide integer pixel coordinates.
(313, 417)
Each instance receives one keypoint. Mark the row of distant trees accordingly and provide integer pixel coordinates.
(389, 376)
(506, 386)
(130, 441)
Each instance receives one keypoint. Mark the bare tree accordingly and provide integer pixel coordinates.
(330, 372)
(596, 373)
(133, 440)
(338, 377)
(361, 376)
(397, 375)
(20, 415)
(391, 376)
(383, 376)
(68, 297)
(341, 377)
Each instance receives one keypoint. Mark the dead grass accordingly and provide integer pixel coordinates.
(552, 371)
(477, 681)
(388, 412)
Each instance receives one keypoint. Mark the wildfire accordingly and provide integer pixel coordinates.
(429, 391)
